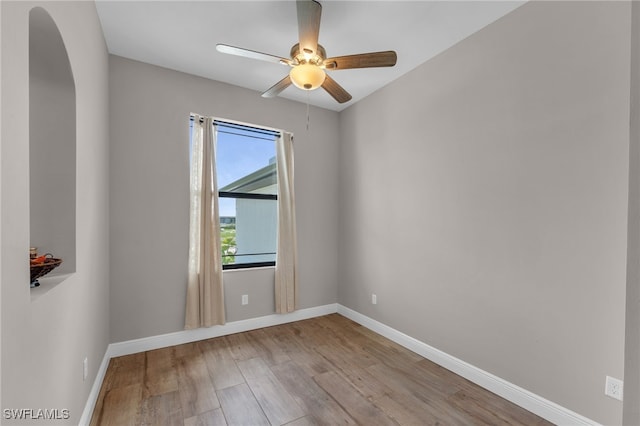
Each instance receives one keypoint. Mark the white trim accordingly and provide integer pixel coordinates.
(536, 404)
(187, 336)
(528, 400)
(85, 419)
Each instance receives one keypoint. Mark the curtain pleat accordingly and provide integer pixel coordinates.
(205, 290)
(286, 274)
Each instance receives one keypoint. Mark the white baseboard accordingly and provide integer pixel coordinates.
(536, 404)
(513, 393)
(85, 419)
(187, 336)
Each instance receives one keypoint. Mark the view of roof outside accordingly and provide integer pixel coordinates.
(245, 163)
(238, 155)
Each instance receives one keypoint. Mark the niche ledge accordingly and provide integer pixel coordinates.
(47, 284)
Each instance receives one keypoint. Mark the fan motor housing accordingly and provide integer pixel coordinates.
(304, 57)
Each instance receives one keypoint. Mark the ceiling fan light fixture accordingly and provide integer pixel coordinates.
(307, 76)
(309, 59)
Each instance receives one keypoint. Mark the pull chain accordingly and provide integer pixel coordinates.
(308, 99)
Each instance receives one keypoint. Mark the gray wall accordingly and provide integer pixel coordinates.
(1, 186)
(52, 143)
(632, 340)
(484, 199)
(149, 202)
(45, 340)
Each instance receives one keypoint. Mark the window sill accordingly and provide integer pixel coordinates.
(255, 268)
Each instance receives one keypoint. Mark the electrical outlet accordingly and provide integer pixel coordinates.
(85, 369)
(245, 299)
(374, 299)
(613, 388)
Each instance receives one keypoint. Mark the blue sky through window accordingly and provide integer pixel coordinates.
(237, 155)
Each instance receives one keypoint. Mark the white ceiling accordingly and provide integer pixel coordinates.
(181, 35)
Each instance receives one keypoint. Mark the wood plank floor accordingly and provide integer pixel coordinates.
(323, 371)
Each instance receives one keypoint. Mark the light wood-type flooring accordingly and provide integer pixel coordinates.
(327, 370)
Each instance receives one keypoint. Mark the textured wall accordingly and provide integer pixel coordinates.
(484, 199)
(52, 143)
(632, 339)
(150, 109)
(45, 339)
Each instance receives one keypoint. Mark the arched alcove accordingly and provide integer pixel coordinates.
(52, 143)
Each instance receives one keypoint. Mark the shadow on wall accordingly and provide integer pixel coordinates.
(52, 142)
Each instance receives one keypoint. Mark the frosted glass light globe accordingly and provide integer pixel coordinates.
(307, 76)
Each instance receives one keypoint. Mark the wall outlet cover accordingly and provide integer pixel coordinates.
(613, 388)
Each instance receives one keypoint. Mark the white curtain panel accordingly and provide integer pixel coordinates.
(205, 290)
(286, 280)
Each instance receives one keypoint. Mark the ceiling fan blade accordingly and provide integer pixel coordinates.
(335, 90)
(246, 53)
(309, 13)
(275, 90)
(363, 60)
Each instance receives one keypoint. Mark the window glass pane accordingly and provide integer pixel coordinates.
(245, 162)
(247, 180)
(227, 207)
(251, 234)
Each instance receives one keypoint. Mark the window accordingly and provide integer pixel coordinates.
(247, 181)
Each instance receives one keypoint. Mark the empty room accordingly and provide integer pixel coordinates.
(320, 212)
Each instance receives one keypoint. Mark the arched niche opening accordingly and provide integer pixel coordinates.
(52, 143)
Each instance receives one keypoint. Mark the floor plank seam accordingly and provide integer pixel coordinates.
(316, 371)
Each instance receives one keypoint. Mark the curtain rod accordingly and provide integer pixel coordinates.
(242, 126)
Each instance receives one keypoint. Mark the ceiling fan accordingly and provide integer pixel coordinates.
(309, 60)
